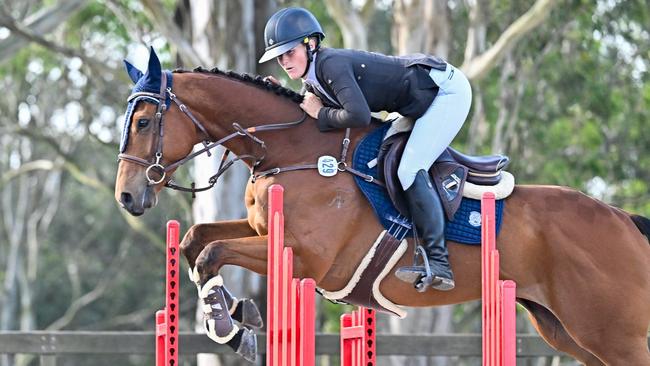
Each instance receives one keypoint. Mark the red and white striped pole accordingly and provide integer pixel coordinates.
(358, 341)
(167, 319)
(291, 307)
(498, 309)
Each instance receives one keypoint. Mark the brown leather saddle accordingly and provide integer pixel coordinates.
(449, 173)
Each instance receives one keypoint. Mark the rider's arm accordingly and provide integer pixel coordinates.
(338, 74)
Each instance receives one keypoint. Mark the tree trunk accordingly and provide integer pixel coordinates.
(476, 44)
(478, 66)
(421, 26)
(352, 24)
(42, 22)
(228, 34)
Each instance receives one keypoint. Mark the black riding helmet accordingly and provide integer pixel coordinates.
(286, 29)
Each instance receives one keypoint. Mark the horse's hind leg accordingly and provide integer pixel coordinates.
(590, 266)
(617, 342)
(550, 328)
(610, 319)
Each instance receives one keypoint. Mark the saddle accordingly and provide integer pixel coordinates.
(448, 173)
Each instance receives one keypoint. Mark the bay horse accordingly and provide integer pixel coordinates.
(582, 267)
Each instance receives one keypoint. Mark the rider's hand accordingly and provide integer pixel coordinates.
(272, 79)
(311, 104)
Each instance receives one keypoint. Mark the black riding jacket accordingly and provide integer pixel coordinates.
(364, 82)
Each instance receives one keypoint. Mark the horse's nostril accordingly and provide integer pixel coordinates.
(126, 199)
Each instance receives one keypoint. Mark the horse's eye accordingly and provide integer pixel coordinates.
(142, 123)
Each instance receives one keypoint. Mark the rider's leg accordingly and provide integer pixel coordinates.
(431, 135)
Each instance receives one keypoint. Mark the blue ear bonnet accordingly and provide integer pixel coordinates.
(146, 83)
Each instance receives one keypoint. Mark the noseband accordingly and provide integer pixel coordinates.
(155, 163)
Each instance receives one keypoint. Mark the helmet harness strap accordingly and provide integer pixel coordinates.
(310, 54)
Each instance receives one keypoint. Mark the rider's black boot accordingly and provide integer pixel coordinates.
(428, 218)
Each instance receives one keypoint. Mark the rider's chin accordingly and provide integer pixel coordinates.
(292, 73)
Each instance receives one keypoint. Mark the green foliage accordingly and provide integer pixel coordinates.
(585, 99)
(333, 37)
(88, 242)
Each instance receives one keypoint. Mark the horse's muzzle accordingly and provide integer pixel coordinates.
(135, 206)
(127, 201)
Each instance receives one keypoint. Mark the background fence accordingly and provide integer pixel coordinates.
(49, 345)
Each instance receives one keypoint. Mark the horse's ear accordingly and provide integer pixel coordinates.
(154, 70)
(154, 63)
(133, 72)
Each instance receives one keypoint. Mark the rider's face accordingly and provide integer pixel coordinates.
(294, 61)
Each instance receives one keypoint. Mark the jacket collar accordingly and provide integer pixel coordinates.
(311, 73)
(312, 80)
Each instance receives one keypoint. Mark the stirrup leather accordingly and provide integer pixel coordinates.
(425, 278)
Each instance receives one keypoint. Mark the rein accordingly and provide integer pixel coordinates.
(341, 166)
(155, 164)
(166, 92)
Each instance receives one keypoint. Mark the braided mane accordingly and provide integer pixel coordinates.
(255, 80)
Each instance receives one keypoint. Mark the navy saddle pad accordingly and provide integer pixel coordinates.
(464, 228)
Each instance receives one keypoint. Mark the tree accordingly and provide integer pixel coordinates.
(61, 230)
(562, 87)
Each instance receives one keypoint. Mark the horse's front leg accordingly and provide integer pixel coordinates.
(215, 297)
(196, 238)
(200, 235)
(250, 253)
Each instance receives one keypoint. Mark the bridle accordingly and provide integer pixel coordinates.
(155, 163)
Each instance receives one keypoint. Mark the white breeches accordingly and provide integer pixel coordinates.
(438, 126)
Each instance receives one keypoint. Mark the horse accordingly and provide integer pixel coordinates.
(582, 267)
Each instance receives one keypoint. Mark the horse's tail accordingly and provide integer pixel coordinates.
(643, 224)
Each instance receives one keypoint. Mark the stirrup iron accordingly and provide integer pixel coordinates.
(419, 275)
(423, 283)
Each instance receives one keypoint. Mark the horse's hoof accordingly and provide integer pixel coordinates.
(251, 314)
(248, 345)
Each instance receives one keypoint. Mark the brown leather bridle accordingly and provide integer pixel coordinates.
(155, 163)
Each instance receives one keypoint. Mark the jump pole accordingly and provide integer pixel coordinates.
(358, 341)
(167, 318)
(498, 308)
(291, 303)
(291, 307)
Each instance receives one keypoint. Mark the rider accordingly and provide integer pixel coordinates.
(353, 83)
